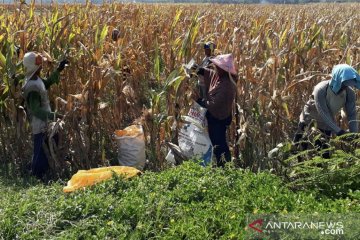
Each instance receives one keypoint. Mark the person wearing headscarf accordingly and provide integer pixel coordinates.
(327, 99)
(35, 93)
(220, 90)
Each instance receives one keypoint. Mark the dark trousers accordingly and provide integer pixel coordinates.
(217, 134)
(39, 161)
(319, 144)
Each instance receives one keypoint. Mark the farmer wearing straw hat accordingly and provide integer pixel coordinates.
(327, 100)
(37, 102)
(220, 94)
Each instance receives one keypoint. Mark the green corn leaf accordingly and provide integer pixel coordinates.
(173, 81)
(156, 100)
(285, 106)
(171, 76)
(55, 17)
(195, 32)
(47, 28)
(268, 42)
(177, 42)
(157, 64)
(97, 35)
(103, 34)
(71, 36)
(176, 18)
(195, 27)
(118, 62)
(31, 11)
(6, 90)
(2, 60)
(314, 37)
(348, 57)
(177, 81)
(283, 37)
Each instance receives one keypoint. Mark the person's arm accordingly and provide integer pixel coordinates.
(322, 108)
(53, 78)
(350, 109)
(34, 100)
(201, 71)
(206, 73)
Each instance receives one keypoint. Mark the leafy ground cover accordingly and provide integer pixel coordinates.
(186, 202)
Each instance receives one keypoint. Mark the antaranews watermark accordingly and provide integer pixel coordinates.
(303, 226)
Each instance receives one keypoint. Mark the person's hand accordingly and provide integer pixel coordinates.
(62, 65)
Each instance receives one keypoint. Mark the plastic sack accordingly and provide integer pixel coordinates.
(194, 140)
(170, 158)
(84, 178)
(131, 146)
(196, 115)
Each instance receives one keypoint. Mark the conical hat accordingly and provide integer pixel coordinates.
(225, 62)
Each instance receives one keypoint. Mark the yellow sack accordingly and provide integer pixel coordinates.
(84, 178)
(132, 130)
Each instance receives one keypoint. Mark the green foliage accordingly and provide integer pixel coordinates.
(187, 202)
(335, 177)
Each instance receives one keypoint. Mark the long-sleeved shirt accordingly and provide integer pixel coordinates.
(324, 104)
(34, 98)
(220, 93)
(37, 101)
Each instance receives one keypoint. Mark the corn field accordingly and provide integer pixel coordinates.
(281, 52)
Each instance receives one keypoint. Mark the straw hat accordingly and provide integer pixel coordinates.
(225, 62)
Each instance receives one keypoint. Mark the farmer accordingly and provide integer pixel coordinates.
(209, 50)
(220, 94)
(327, 100)
(37, 102)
